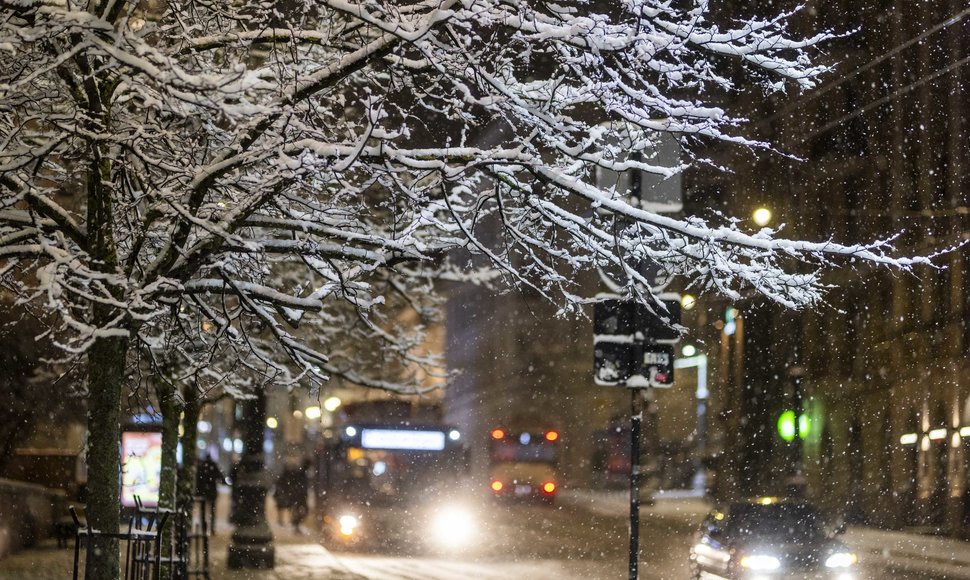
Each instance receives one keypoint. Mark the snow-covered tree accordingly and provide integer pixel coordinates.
(257, 178)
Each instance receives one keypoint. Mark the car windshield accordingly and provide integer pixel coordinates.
(780, 522)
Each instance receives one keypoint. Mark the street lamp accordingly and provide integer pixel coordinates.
(761, 216)
(687, 301)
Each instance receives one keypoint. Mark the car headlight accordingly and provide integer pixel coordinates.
(348, 524)
(760, 562)
(841, 560)
(453, 526)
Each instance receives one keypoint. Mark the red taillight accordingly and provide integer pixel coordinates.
(552, 435)
(549, 487)
(497, 485)
(498, 434)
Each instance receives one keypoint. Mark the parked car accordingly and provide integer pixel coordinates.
(767, 538)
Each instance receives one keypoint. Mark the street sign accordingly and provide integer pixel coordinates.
(613, 362)
(633, 343)
(658, 326)
(657, 365)
(613, 317)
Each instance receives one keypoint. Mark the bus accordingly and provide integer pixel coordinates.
(523, 462)
(383, 482)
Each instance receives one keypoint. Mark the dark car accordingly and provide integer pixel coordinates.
(767, 538)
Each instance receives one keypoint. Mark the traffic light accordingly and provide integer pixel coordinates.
(786, 426)
(633, 344)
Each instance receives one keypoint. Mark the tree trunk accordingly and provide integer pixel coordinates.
(169, 406)
(106, 374)
(190, 426)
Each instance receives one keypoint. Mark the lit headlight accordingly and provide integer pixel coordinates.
(453, 526)
(760, 562)
(348, 524)
(841, 560)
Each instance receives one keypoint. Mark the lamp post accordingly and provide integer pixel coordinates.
(729, 482)
(252, 540)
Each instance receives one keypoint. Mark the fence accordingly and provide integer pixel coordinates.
(141, 543)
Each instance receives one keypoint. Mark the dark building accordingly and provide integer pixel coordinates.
(878, 149)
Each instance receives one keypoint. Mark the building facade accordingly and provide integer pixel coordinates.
(878, 151)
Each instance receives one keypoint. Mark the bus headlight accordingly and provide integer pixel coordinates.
(348, 524)
(453, 526)
(841, 560)
(760, 562)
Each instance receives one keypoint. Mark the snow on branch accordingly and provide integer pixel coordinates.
(265, 192)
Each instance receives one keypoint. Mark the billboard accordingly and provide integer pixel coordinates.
(141, 467)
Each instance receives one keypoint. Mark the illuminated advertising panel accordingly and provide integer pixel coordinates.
(141, 467)
(402, 439)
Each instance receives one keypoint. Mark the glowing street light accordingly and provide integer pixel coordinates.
(312, 412)
(762, 216)
(272, 423)
(687, 301)
(332, 404)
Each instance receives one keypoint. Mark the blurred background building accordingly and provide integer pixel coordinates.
(879, 372)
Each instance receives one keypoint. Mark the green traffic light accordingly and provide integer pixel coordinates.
(804, 426)
(786, 426)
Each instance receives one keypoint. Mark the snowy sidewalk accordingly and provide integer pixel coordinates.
(913, 552)
(902, 550)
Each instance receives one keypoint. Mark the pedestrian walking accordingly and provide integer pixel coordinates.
(208, 476)
(291, 494)
(300, 491)
(283, 493)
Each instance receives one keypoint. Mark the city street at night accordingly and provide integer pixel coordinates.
(583, 538)
(429, 289)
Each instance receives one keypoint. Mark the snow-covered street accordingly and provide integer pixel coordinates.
(583, 538)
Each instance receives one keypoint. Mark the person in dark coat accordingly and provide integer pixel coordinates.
(208, 476)
(299, 488)
(282, 495)
(291, 493)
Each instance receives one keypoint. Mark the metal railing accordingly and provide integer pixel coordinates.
(141, 542)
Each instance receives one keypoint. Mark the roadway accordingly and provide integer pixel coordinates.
(572, 540)
(581, 538)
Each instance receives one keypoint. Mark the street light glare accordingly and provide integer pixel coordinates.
(332, 404)
(312, 412)
(762, 216)
(688, 301)
(272, 423)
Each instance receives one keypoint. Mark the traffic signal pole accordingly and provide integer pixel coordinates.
(636, 420)
(633, 348)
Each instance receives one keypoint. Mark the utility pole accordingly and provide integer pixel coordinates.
(636, 419)
(633, 348)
